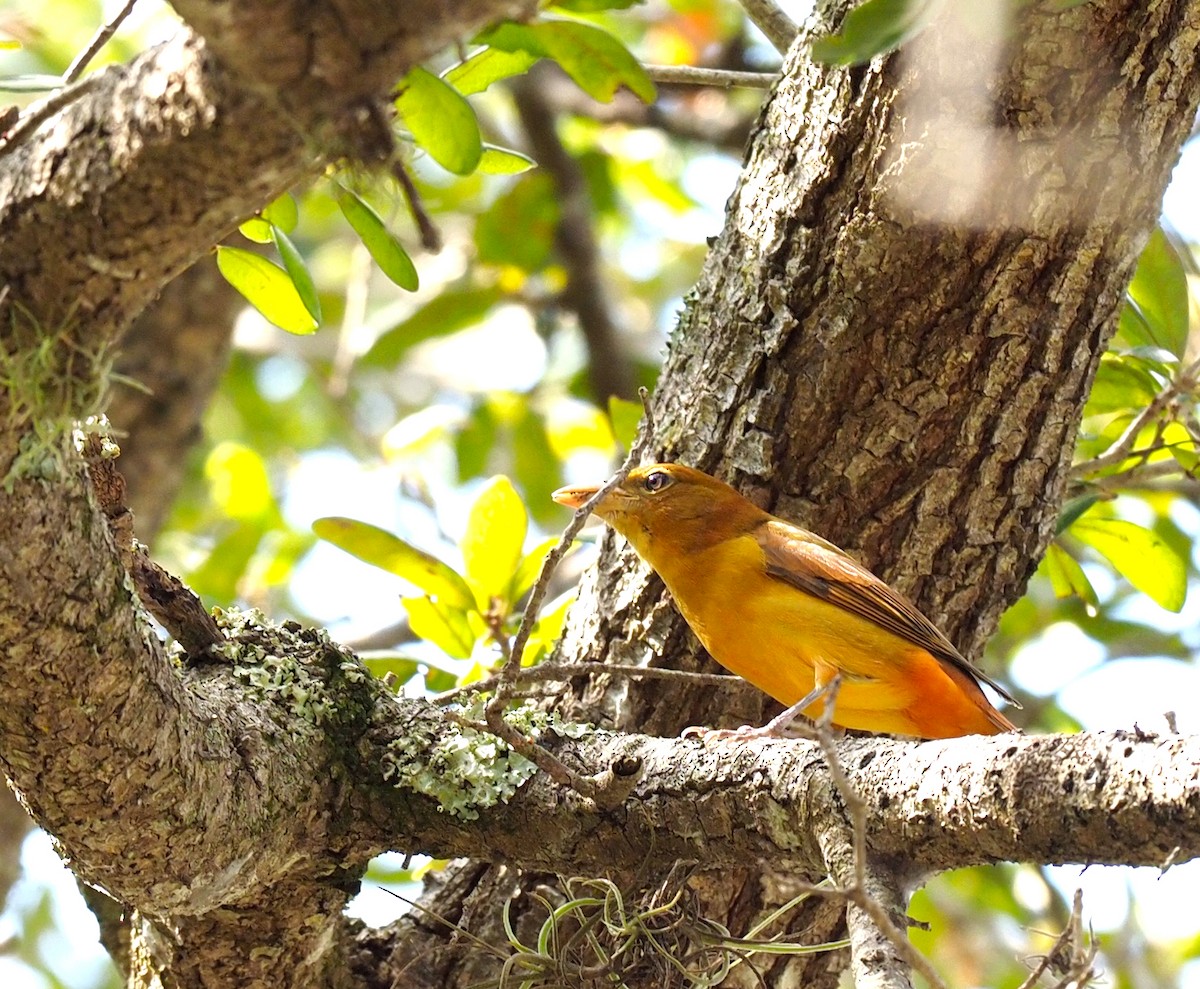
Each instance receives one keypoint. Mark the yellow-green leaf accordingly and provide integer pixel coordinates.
(475, 74)
(1123, 381)
(400, 667)
(548, 628)
(441, 121)
(1159, 292)
(238, 482)
(256, 229)
(625, 416)
(282, 213)
(267, 287)
(492, 544)
(1139, 555)
(382, 549)
(504, 161)
(445, 626)
(387, 251)
(1067, 576)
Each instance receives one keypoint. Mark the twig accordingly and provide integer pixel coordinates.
(1140, 473)
(858, 893)
(509, 670)
(546, 672)
(541, 757)
(694, 75)
(585, 293)
(84, 58)
(37, 113)
(508, 674)
(1069, 957)
(780, 29)
(431, 237)
(720, 124)
(1122, 447)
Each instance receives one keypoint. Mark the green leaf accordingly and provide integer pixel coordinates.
(445, 626)
(294, 265)
(871, 29)
(597, 62)
(441, 121)
(475, 74)
(387, 251)
(1139, 555)
(1159, 292)
(1067, 576)
(491, 546)
(446, 313)
(1072, 510)
(504, 161)
(282, 213)
(267, 287)
(382, 549)
(625, 416)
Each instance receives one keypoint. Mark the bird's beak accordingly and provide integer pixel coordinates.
(574, 497)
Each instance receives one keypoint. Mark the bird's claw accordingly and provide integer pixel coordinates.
(712, 736)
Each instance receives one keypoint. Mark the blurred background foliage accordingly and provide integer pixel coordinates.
(425, 405)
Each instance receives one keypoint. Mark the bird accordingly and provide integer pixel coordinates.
(790, 612)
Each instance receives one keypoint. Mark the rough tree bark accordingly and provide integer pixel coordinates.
(853, 358)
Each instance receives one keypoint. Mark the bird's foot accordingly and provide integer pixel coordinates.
(746, 733)
(790, 724)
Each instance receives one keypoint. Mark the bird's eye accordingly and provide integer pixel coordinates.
(656, 480)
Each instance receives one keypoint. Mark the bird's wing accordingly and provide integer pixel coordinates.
(817, 567)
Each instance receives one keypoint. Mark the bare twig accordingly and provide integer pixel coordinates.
(37, 113)
(541, 757)
(714, 122)
(694, 75)
(431, 237)
(870, 886)
(1070, 957)
(99, 40)
(780, 29)
(548, 672)
(1123, 447)
(509, 671)
(1142, 473)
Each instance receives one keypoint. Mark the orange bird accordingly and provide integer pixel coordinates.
(790, 612)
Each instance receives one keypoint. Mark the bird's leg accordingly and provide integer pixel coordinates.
(778, 726)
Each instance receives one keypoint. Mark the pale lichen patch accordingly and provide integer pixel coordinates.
(467, 770)
(288, 665)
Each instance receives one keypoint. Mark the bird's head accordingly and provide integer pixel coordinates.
(668, 507)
